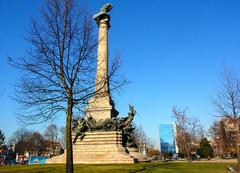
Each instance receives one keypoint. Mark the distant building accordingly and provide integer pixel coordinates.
(167, 134)
(224, 141)
(51, 148)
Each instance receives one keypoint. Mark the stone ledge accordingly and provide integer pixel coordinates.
(99, 143)
(98, 148)
(98, 140)
(103, 132)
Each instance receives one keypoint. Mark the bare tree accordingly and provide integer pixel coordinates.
(27, 141)
(222, 137)
(140, 138)
(227, 103)
(215, 133)
(21, 134)
(36, 144)
(62, 138)
(51, 133)
(189, 131)
(59, 71)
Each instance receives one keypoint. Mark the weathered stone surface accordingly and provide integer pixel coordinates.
(136, 154)
(98, 148)
(101, 106)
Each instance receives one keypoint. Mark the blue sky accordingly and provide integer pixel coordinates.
(172, 51)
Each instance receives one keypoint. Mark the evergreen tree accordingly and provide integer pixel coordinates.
(2, 138)
(205, 150)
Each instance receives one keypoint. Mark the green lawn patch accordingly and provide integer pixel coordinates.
(157, 167)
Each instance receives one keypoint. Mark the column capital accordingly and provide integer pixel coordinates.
(103, 19)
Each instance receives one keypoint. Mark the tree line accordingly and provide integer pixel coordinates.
(224, 132)
(191, 139)
(33, 143)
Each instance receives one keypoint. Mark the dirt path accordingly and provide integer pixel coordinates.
(211, 161)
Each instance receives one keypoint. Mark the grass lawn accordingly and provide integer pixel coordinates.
(160, 167)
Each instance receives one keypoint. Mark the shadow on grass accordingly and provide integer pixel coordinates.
(170, 167)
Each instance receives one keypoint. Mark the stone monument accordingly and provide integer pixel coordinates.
(101, 106)
(101, 137)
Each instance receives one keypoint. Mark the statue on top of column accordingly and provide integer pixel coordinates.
(103, 11)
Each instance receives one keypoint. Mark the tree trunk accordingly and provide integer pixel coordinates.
(69, 155)
(238, 154)
(188, 149)
(189, 155)
(237, 148)
(218, 151)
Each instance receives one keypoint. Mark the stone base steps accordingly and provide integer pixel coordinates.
(98, 148)
(91, 160)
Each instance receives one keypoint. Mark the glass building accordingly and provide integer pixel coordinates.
(167, 133)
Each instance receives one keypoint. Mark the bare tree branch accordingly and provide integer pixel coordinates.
(58, 73)
(227, 103)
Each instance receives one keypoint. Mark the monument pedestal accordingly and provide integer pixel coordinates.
(101, 108)
(98, 148)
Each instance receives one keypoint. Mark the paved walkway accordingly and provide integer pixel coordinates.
(211, 161)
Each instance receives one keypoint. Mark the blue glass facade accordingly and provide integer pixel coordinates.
(167, 140)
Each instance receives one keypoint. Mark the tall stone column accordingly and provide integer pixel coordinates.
(101, 106)
(102, 84)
